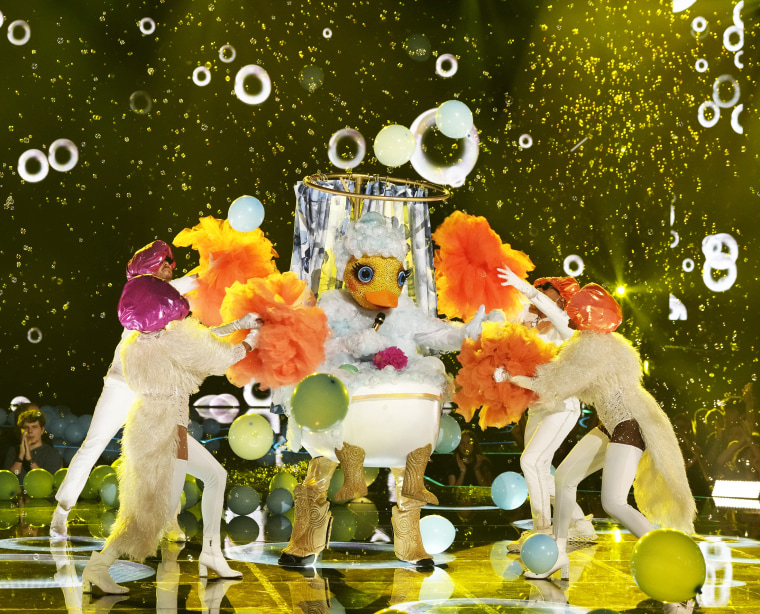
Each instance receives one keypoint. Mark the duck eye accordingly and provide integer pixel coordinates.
(403, 276)
(364, 273)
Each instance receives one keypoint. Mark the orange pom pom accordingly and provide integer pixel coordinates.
(226, 256)
(465, 268)
(291, 342)
(512, 346)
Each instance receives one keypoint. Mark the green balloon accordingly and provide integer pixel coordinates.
(9, 514)
(97, 475)
(250, 436)
(9, 485)
(283, 479)
(192, 493)
(59, 476)
(38, 512)
(344, 524)
(189, 524)
(367, 518)
(243, 500)
(109, 491)
(38, 483)
(319, 402)
(336, 483)
(668, 565)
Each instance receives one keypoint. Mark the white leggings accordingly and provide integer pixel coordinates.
(619, 463)
(109, 416)
(204, 466)
(544, 434)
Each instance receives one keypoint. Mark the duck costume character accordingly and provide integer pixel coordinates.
(379, 338)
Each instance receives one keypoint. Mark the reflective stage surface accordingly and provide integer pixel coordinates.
(476, 574)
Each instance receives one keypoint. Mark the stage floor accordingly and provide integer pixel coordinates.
(476, 574)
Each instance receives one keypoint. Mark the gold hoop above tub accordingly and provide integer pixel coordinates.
(327, 203)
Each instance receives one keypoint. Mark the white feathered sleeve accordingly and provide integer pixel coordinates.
(568, 374)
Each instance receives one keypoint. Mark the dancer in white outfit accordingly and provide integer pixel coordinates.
(165, 359)
(113, 405)
(547, 427)
(635, 439)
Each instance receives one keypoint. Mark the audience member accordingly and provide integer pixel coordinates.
(469, 466)
(32, 452)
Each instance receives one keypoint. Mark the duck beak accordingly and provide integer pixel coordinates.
(383, 299)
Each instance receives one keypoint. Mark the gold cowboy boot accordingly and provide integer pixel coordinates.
(407, 539)
(414, 476)
(310, 595)
(311, 530)
(407, 582)
(352, 462)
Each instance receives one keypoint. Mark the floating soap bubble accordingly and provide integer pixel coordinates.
(140, 102)
(440, 159)
(701, 65)
(201, 76)
(735, 95)
(252, 84)
(699, 28)
(147, 26)
(573, 265)
(346, 148)
(418, 47)
(311, 78)
(525, 141)
(34, 335)
(33, 165)
(394, 145)
(227, 53)
(2, 18)
(63, 155)
(714, 112)
(454, 119)
(446, 65)
(327, 33)
(19, 32)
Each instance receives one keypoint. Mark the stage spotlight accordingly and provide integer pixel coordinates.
(620, 290)
(736, 489)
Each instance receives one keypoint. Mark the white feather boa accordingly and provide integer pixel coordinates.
(163, 370)
(593, 367)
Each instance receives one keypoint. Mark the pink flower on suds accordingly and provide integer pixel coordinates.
(392, 356)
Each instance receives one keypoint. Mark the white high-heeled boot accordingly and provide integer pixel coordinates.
(96, 573)
(58, 529)
(212, 593)
(212, 558)
(562, 564)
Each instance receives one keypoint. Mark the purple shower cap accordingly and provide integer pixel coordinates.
(147, 260)
(148, 304)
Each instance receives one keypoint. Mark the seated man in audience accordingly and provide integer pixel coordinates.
(33, 452)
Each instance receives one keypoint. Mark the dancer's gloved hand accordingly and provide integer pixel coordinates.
(252, 338)
(500, 375)
(472, 328)
(249, 320)
(511, 279)
(185, 284)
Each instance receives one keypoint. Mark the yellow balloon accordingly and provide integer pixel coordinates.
(668, 565)
(283, 479)
(250, 436)
(319, 402)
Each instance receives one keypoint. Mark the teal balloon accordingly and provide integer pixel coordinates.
(38, 483)
(195, 430)
(243, 530)
(56, 427)
(438, 533)
(94, 482)
(109, 491)
(539, 553)
(449, 435)
(668, 565)
(243, 500)
(278, 528)
(74, 433)
(246, 213)
(279, 501)
(319, 402)
(84, 421)
(4, 415)
(211, 427)
(394, 145)
(250, 436)
(509, 490)
(9, 485)
(454, 119)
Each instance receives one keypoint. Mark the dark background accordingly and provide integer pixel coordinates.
(621, 74)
